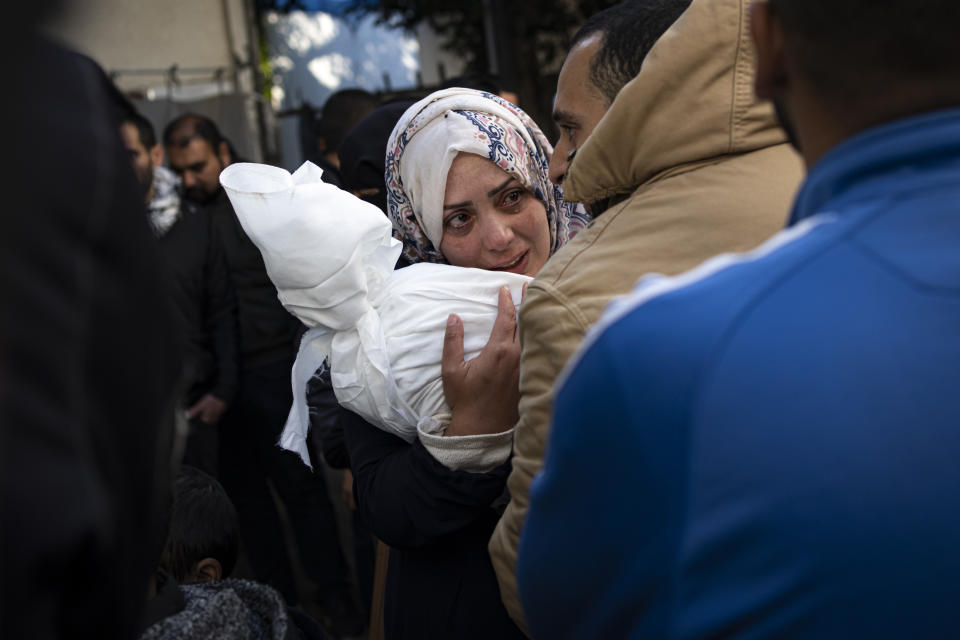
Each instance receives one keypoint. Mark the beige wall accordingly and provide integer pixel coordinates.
(127, 35)
(124, 35)
(155, 34)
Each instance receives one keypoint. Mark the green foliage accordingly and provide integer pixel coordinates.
(266, 70)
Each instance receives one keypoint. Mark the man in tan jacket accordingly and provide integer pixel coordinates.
(690, 165)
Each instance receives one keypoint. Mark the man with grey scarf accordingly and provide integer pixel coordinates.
(201, 289)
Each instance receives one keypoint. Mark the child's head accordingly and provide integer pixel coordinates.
(204, 537)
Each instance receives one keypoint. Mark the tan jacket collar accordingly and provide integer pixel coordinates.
(692, 101)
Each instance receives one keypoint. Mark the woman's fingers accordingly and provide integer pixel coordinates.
(452, 357)
(505, 326)
(492, 377)
(483, 393)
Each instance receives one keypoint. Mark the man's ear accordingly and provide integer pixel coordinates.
(156, 155)
(208, 570)
(223, 152)
(768, 40)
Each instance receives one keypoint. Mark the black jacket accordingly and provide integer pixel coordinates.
(206, 305)
(440, 582)
(326, 428)
(267, 332)
(88, 361)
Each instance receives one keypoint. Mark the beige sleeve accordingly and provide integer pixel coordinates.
(476, 454)
(551, 329)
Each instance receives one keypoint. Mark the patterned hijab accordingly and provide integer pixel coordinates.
(424, 144)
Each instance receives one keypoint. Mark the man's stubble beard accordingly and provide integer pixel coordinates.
(198, 195)
(786, 122)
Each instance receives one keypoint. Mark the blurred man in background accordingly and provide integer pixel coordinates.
(88, 355)
(341, 113)
(202, 292)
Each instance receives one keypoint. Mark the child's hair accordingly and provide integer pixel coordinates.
(203, 524)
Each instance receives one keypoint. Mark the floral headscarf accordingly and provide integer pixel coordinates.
(429, 136)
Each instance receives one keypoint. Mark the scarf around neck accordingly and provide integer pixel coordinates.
(164, 208)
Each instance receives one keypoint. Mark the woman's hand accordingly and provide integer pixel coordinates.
(483, 394)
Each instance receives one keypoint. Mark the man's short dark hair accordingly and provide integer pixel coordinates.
(203, 524)
(630, 29)
(185, 128)
(144, 129)
(853, 51)
(341, 112)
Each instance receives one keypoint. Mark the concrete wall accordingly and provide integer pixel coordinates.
(139, 34)
(137, 41)
(312, 54)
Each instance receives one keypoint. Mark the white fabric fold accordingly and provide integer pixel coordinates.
(331, 257)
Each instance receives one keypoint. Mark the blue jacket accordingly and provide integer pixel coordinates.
(769, 446)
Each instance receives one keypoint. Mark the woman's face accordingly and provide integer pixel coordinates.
(490, 221)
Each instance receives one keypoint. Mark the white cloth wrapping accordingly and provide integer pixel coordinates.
(331, 257)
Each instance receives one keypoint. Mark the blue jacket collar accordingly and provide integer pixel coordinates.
(903, 146)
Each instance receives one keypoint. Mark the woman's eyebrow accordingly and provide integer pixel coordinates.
(490, 194)
(494, 192)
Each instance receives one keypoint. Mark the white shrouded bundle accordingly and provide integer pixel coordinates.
(331, 257)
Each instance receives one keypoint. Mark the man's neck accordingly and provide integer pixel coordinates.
(821, 127)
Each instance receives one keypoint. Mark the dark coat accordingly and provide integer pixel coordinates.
(206, 305)
(326, 427)
(88, 361)
(267, 332)
(437, 522)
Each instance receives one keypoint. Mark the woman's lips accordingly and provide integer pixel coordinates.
(517, 265)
